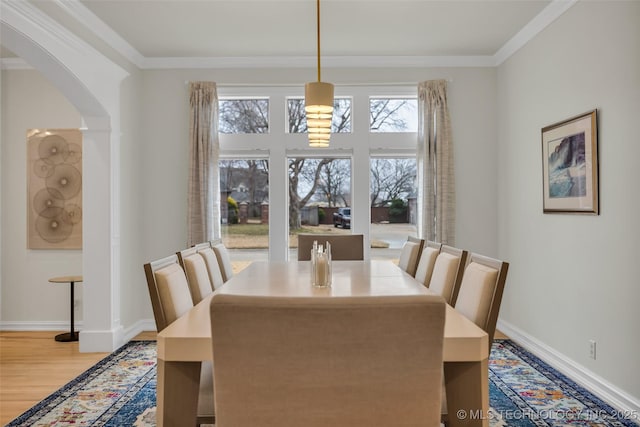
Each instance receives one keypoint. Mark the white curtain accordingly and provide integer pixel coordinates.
(204, 184)
(436, 178)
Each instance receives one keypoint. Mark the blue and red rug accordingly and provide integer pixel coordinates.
(524, 392)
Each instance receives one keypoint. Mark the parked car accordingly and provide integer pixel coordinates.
(342, 218)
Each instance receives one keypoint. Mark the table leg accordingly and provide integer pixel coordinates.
(177, 389)
(467, 388)
(72, 335)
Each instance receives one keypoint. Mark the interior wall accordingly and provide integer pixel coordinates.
(472, 100)
(29, 101)
(27, 299)
(134, 296)
(153, 174)
(574, 278)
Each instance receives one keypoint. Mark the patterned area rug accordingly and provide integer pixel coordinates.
(524, 391)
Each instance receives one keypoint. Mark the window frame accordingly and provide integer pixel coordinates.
(277, 145)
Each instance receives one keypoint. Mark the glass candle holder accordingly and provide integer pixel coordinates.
(320, 267)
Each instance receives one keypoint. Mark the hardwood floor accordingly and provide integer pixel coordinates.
(500, 336)
(33, 365)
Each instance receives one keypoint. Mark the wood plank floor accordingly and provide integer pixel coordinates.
(33, 365)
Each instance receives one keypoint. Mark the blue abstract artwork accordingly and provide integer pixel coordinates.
(567, 167)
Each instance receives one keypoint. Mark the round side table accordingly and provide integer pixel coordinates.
(72, 335)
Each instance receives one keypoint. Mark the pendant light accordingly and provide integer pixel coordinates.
(318, 99)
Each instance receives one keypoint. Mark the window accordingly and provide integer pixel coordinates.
(393, 204)
(297, 120)
(340, 175)
(244, 211)
(244, 115)
(317, 187)
(393, 115)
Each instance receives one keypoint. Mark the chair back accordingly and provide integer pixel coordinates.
(344, 247)
(195, 267)
(170, 299)
(200, 246)
(316, 361)
(447, 272)
(168, 289)
(427, 260)
(211, 260)
(410, 255)
(481, 292)
(224, 260)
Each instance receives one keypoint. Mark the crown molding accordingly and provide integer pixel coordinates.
(528, 32)
(14, 64)
(51, 30)
(87, 18)
(327, 62)
(48, 26)
(532, 29)
(33, 15)
(83, 15)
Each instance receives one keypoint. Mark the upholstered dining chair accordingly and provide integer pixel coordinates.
(479, 298)
(213, 267)
(447, 272)
(481, 291)
(410, 255)
(197, 272)
(344, 247)
(224, 260)
(318, 361)
(170, 299)
(427, 260)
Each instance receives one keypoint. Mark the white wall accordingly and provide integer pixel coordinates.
(29, 101)
(572, 278)
(472, 100)
(575, 278)
(135, 305)
(152, 170)
(28, 301)
(153, 173)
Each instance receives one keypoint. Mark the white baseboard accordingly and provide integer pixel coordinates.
(93, 340)
(139, 326)
(52, 325)
(628, 405)
(101, 340)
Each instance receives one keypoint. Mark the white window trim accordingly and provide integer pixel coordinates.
(360, 146)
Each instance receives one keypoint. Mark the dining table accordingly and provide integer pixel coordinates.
(186, 343)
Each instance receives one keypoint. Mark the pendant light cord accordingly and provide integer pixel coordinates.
(318, 34)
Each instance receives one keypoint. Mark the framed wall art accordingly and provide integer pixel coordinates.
(54, 193)
(570, 165)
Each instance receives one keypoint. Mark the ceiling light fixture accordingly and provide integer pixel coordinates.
(318, 100)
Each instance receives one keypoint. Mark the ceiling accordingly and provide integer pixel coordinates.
(149, 32)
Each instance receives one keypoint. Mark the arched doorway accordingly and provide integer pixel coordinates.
(91, 82)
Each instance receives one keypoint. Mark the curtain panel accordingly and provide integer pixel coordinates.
(204, 193)
(436, 178)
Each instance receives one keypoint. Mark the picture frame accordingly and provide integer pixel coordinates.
(570, 165)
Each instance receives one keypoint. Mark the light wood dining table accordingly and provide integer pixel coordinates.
(184, 344)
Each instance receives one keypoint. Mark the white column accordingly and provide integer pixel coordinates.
(101, 242)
